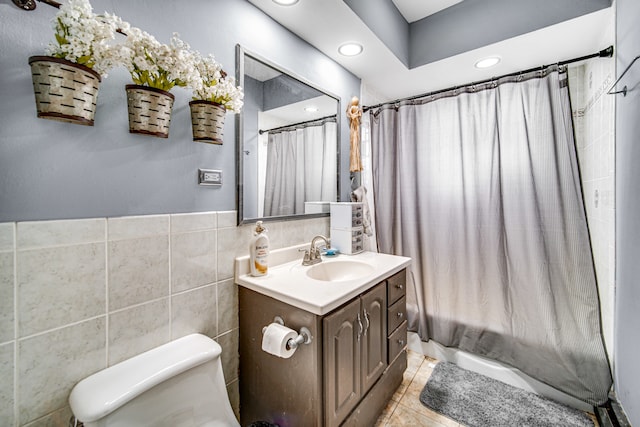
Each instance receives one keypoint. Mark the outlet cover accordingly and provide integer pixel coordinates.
(209, 177)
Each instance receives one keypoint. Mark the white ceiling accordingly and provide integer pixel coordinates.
(328, 23)
(415, 10)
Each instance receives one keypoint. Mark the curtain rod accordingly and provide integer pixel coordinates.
(297, 124)
(604, 53)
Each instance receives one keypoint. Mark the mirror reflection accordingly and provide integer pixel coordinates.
(288, 143)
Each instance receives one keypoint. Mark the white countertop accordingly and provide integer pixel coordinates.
(288, 281)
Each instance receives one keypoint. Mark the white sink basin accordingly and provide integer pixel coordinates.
(339, 271)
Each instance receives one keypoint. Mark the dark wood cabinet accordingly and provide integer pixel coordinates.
(345, 377)
(355, 352)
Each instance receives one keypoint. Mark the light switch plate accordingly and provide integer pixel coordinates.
(209, 177)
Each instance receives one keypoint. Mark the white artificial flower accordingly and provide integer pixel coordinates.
(83, 37)
(208, 83)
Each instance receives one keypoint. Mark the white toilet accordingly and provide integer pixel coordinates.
(179, 384)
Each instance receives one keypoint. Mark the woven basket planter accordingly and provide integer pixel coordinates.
(64, 91)
(149, 110)
(207, 121)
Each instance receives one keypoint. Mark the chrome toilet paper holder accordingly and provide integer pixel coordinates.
(304, 336)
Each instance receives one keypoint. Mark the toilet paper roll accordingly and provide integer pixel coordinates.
(274, 340)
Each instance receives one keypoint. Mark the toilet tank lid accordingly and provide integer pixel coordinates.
(105, 391)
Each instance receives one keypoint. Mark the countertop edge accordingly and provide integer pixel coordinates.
(245, 281)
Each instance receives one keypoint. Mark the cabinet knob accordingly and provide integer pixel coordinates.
(399, 286)
(401, 342)
(400, 314)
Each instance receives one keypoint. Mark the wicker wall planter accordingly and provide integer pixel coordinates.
(207, 121)
(65, 91)
(149, 110)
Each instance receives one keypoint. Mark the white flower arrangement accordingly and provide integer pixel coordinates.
(211, 83)
(83, 37)
(155, 64)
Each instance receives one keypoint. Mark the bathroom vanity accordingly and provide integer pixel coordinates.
(354, 308)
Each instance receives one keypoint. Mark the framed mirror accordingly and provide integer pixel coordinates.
(288, 141)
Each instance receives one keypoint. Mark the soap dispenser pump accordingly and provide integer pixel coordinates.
(259, 251)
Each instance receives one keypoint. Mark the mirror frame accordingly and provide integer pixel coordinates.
(240, 54)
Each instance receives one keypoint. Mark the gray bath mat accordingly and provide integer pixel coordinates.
(478, 401)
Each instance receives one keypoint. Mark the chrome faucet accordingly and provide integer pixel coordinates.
(312, 256)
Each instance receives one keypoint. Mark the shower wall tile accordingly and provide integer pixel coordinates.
(195, 311)
(6, 384)
(137, 329)
(227, 306)
(596, 154)
(193, 260)
(182, 223)
(50, 364)
(59, 285)
(43, 234)
(138, 270)
(7, 329)
(132, 227)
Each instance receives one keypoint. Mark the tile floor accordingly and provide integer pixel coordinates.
(405, 408)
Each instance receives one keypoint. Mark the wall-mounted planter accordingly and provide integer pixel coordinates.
(149, 110)
(207, 121)
(65, 91)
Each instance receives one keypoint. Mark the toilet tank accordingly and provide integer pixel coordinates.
(179, 384)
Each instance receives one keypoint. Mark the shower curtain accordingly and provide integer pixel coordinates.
(480, 187)
(301, 167)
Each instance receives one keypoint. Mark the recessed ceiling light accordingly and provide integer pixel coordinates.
(285, 2)
(310, 109)
(350, 49)
(488, 62)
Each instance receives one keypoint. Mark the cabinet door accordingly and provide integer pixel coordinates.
(374, 338)
(342, 332)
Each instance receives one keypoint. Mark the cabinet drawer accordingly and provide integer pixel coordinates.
(397, 341)
(396, 286)
(396, 314)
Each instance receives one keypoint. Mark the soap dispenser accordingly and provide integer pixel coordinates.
(259, 251)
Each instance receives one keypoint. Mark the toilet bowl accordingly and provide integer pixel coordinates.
(179, 384)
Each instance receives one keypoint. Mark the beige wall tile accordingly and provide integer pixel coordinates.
(193, 260)
(6, 384)
(50, 364)
(194, 311)
(230, 358)
(6, 236)
(232, 242)
(233, 391)
(7, 329)
(42, 234)
(227, 306)
(227, 219)
(59, 418)
(131, 227)
(60, 285)
(138, 271)
(182, 223)
(137, 329)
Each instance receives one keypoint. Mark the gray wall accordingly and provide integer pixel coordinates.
(627, 335)
(52, 170)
